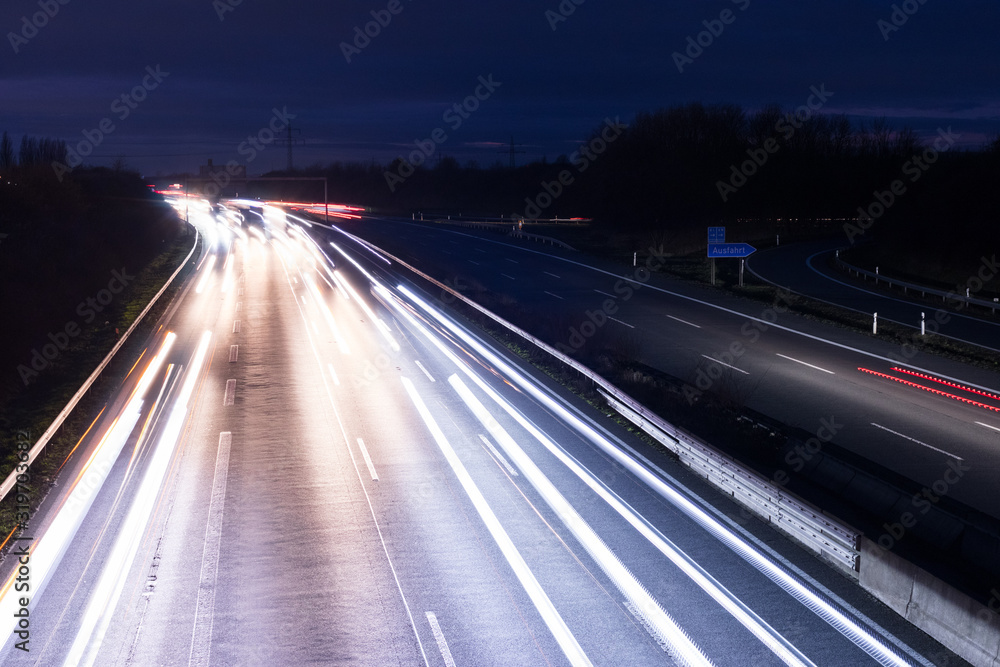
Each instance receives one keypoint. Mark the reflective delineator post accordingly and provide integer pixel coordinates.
(875, 323)
(922, 324)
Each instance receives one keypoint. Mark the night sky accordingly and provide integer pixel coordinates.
(225, 66)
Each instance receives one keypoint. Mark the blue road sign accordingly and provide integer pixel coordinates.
(730, 250)
(716, 234)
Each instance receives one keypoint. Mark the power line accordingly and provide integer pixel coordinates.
(512, 151)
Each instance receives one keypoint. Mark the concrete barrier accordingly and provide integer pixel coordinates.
(960, 623)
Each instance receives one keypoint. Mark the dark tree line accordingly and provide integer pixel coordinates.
(687, 166)
(33, 152)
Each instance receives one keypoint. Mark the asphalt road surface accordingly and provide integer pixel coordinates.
(804, 269)
(792, 369)
(312, 463)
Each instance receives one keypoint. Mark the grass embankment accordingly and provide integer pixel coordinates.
(80, 260)
(33, 410)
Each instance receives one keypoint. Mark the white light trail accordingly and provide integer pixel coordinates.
(104, 597)
(840, 621)
(206, 272)
(51, 546)
(383, 329)
(563, 635)
(665, 629)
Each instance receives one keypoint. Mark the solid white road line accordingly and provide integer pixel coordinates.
(230, 396)
(421, 367)
(368, 459)
(563, 635)
(917, 441)
(498, 455)
(201, 634)
(805, 364)
(439, 638)
(696, 326)
(722, 363)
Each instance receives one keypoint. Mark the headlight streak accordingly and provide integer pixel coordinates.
(557, 626)
(836, 618)
(670, 635)
(373, 318)
(206, 272)
(106, 592)
(327, 315)
(338, 280)
(350, 259)
(757, 626)
(51, 546)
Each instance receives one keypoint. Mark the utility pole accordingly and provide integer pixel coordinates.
(512, 151)
(289, 141)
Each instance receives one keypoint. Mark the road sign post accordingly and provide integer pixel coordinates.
(717, 247)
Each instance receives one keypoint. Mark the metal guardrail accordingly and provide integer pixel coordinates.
(806, 524)
(796, 518)
(40, 444)
(951, 295)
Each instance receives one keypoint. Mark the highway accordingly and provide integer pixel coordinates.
(314, 463)
(787, 367)
(804, 269)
